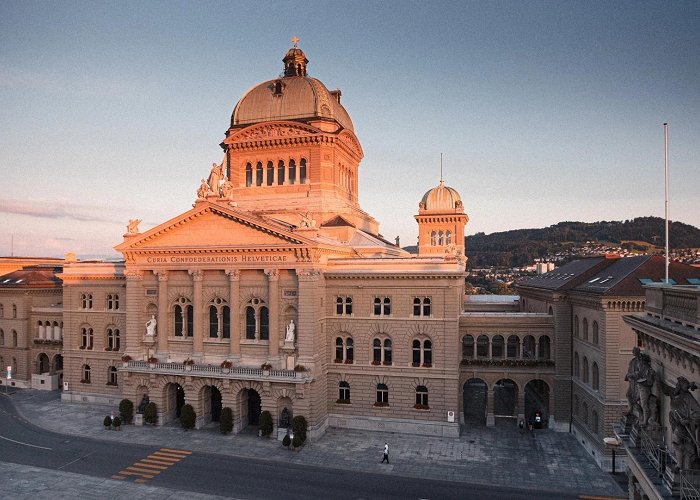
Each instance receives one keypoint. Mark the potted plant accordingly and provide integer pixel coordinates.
(226, 420)
(299, 427)
(188, 417)
(226, 366)
(150, 413)
(107, 422)
(265, 423)
(117, 423)
(296, 442)
(299, 368)
(125, 360)
(286, 441)
(126, 410)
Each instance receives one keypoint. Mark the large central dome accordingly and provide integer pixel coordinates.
(295, 96)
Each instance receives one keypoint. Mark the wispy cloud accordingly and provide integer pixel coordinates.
(56, 210)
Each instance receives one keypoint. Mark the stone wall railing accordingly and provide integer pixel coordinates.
(678, 303)
(239, 372)
(690, 484)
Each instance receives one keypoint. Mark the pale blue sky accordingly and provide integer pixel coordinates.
(545, 111)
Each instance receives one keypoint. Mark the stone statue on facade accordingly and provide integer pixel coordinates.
(215, 176)
(151, 326)
(142, 405)
(684, 418)
(285, 418)
(203, 189)
(227, 189)
(133, 226)
(289, 337)
(641, 377)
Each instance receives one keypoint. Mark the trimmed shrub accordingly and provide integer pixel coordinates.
(150, 414)
(286, 441)
(226, 420)
(265, 423)
(188, 417)
(297, 441)
(107, 421)
(299, 427)
(117, 422)
(126, 410)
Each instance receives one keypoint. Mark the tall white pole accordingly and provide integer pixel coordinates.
(666, 191)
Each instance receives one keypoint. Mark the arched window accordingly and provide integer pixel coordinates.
(112, 376)
(416, 352)
(577, 366)
(112, 301)
(387, 352)
(433, 238)
(183, 317)
(257, 320)
(441, 238)
(513, 347)
(422, 353)
(302, 171)
(343, 305)
(270, 173)
(14, 338)
(585, 370)
(576, 334)
(343, 392)
(86, 374)
(2, 310)
(85, 301)
(529, 347)
(497, 346)
(422, 398)
(344, 351)
(585, 329)
(248, 175)
(577, 405)
(421, 306)
(219, 319)
(113, 339)
(545, 347)
(594, 422)
(427, 353)
(376, 352)
(467, 346)
(595, 332)
(349, 350)
(382, 306)
(14, 308)
(86, 337)
(292, 172)
(448, 238)
(278, 87)
(339, 350)
(584, 413)
(382, 395)
(2, 338)
(259, 174)
(482, 346)
(595, 377)
(280, 172)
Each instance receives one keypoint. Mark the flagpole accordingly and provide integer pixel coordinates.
(666, 191)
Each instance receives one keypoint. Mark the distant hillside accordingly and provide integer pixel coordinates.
(521, 246)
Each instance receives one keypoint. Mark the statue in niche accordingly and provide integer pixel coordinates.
(685, 423)
(151, 326)
(289, 337)
(641, 377)
(203, 189)
(306, 220)
(133, 226)
(285, 417)
(215, 176)
(142, 405)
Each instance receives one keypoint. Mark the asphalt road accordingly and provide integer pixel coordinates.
(243, 478)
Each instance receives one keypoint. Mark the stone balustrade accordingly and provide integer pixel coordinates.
(195, 370)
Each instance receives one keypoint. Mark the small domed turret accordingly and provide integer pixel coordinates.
(441, 220)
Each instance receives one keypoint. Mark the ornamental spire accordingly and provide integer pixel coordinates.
(295, 61)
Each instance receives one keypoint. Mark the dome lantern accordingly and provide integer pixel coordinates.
(295, 61)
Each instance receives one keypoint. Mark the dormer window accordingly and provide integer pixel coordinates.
(278, 87)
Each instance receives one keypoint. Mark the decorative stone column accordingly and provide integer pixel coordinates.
(162, 328)
(197, 280)
(234, 294)
(273, 297)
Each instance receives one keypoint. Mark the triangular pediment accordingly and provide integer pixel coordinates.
(212, 226)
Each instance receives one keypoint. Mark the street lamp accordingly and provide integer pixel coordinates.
(613, 442)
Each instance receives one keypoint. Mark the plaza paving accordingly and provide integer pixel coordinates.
(537, 460)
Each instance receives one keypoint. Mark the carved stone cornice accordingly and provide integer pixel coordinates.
(233, 274)
(134, 275)
(309, 274)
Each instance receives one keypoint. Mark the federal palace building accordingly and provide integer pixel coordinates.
(277, 291)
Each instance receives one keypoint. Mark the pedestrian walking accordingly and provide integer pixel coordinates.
(386, 453)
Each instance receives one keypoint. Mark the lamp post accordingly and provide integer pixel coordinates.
(613, 443)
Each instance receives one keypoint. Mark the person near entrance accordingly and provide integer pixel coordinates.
(386, 453)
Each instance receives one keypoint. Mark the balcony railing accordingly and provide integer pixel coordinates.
(506, 362)
(690, 484)
(239, 372)
(653, 449)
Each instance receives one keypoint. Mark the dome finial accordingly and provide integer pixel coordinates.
(295, 41)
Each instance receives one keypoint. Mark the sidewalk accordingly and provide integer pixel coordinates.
(484, 455)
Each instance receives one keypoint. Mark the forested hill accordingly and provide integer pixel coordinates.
(521, 246)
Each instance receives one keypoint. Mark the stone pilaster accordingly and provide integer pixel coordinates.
(134, 322)
(197, 281)
(162, 310)
(308, 305)
(273, 298)
(234, 282)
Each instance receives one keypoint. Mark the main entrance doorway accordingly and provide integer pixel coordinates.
(174, 401)
(253, 407)
(475, 394)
